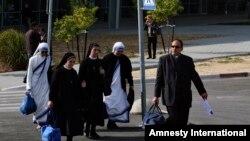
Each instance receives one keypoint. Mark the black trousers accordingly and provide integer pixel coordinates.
(152, 42)
(178, 114)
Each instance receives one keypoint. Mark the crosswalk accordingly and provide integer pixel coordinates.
(10, 100)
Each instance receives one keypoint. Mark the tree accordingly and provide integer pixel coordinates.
(69, 26)
(165, 9)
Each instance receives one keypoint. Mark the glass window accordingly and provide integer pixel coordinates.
(11, 12)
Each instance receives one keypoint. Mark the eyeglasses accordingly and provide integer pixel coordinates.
(175, 46)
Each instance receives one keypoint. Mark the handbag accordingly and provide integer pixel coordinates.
(50, 132)
(28, 105)
(154, 116)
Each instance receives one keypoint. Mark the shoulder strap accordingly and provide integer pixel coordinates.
(43, 114)
(43, 63)
(40, 65)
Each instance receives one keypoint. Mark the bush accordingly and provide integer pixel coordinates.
(12, 49)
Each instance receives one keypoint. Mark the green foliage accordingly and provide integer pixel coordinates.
(65, 28)
(165, 9)
(12, 49)
(68, 27)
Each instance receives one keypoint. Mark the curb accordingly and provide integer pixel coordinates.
(226, 75)
(230, 75)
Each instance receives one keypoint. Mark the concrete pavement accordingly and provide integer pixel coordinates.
(229, 99)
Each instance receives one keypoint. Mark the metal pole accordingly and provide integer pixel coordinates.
(170, 39)
(162, 40)
(49, 12)
(85, 44)
(117, 14)
(141, 49)
(78, 48)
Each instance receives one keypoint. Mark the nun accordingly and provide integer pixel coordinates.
(91, 76)
(64, 98)
(37, 82)
(118, 71)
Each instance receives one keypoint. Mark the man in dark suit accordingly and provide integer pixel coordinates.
(32, 38)
(173, 82)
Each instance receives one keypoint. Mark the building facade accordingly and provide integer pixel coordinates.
(110, 11)
(11, 11)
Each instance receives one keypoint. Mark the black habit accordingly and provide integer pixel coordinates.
(89, 71)
(64, 93)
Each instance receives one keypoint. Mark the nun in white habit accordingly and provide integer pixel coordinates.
(118, 71)
(37, 81)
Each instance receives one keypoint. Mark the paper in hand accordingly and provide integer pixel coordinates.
(207, 107)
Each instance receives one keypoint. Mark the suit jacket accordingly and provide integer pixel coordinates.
(32, 40)
(173, 80)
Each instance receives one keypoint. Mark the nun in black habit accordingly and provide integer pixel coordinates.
(64, 97)
(91, 76)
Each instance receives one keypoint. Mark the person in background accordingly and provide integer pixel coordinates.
(118, 71)
(37, 81)
(152, 30)
(173, 82)
(43, 37)
(64, 97)
(32, 38)
(91, 76)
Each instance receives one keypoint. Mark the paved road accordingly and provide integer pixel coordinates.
(228, 97)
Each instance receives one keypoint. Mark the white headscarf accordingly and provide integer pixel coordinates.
(41, 47)
(118, 46)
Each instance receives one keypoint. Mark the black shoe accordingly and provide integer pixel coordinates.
(153, 58)
(112, 125)
(148, 57)
(94, 135)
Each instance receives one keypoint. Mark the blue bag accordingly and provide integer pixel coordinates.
(154, 116)
(50, 132)
(28, 105)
